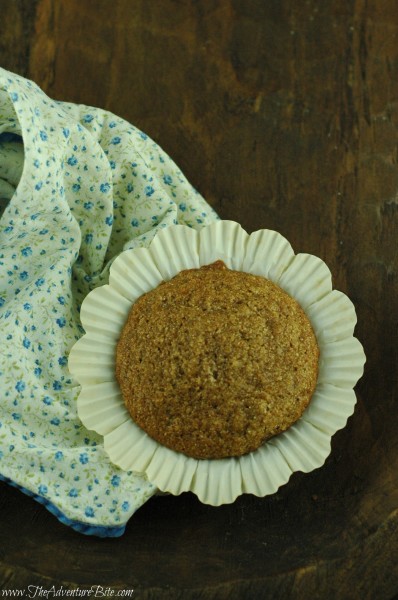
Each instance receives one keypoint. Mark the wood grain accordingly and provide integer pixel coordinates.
(283, 115)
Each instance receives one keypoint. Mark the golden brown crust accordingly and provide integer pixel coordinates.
(214, 362)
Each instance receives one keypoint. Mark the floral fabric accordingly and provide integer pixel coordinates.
(78, 185)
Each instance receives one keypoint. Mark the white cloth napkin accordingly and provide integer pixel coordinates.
(78, 185)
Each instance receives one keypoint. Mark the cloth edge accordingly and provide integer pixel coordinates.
(101, 531)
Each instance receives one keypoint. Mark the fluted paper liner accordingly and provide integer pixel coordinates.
(303, 447)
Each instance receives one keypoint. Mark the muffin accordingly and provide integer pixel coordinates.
(214, 362)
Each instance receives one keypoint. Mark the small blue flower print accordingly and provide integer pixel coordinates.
(143, 136)
(23, 275)
(26, 251)
(89, 512)
(62, 361)
(76, 187)
(105, 187)
(16, 416)
(66, 132)
(57, 385)
(42, 489)
(134, 222)
(182, 206)
(130, 188)
(116, 140)
(39, 185)
(47, 400)
(61, 300)
(61, 322)
(109, 220)
(36, 163)
(26, 343)
(88, 205)
(55, 421)
(149, 190)
(72, 160)
(43, 136)
(20, 386)
(58, 455)
(83, 458)
(112, 124)
(39, 282)
(115, 481)
(37, 371)
(167, 179)
(73, 493)
(125, 506)
(14, 96)
(88, 118)
(2, 301)
(88, 238)
(27, 306)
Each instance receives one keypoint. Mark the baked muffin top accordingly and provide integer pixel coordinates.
(214, 362)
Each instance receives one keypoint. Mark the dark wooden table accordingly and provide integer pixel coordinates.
(284, 114)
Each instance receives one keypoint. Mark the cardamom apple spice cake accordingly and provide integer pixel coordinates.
(215, 362)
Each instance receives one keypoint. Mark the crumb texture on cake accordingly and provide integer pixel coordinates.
(214, 362)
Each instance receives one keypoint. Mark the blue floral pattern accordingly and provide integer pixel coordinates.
(78, 185)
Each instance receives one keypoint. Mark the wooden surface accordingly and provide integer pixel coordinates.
(284, 115)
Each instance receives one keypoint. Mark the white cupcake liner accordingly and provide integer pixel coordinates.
(303, 447)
